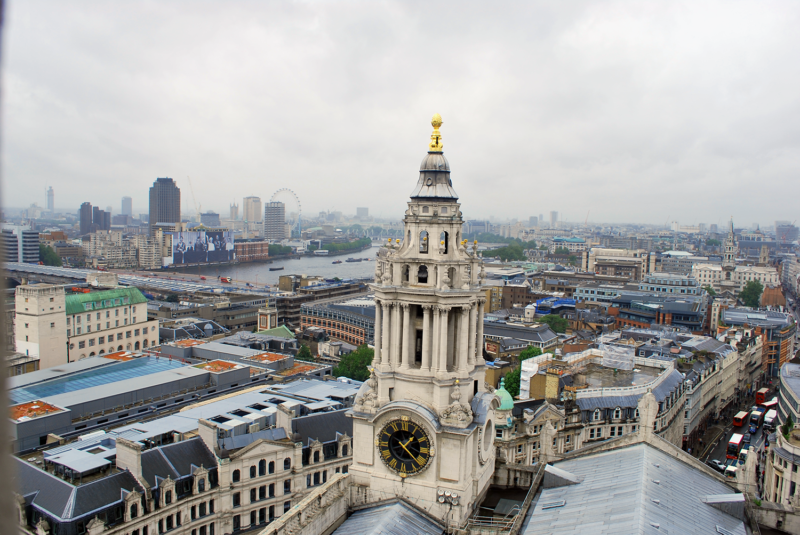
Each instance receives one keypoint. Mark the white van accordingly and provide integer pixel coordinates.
(769, 419)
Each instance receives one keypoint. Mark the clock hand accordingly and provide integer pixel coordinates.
(406, 444)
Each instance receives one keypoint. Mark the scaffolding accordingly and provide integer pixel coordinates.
(617, 357)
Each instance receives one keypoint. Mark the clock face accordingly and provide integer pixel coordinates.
(404, 447)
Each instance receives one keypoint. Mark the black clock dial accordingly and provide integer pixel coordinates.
(404, 447)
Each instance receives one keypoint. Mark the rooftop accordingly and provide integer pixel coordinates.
(81, 302)
(31, 410)
(597, 376)
(216, 366)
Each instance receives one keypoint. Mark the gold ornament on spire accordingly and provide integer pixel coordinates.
(436, 144)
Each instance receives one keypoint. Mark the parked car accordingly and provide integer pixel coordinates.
(716, 465)
(753, 430)
(746, 440)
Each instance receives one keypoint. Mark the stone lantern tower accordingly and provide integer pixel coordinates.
(423, 422)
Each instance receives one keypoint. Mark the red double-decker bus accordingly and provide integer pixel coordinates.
(740, 419)
(761, 396)
(734, 446)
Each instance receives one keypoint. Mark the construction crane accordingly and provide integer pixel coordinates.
(197, 207)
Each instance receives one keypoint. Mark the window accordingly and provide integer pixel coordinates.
(237, 499)
(253, 495)
(127, 334)
(262, 515)
(193, 512)
(287, 486)
(101, 340)
(617, 413)
(144, 330)
(599, 432)
(236, 476)
(567, 439)
(119, 336)
(88, 328)
(136, 332)
(519, 448)
(203, 509)
(82, 343)
(272, 490)
(168, 497)
(316, 478)
(287, 463)
(252, 471)
(591, 433)
(134, 510)
(596, 415)
(344, 450)
(498, 433)
(262, 467)
(201, 485)
(316, 456)
(619, 431)
(271, 512)
(253, 518)
(237, 523)
(613, 431)
(262, 492)
(287, 506)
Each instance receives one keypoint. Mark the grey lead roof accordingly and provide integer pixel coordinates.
(635, 490)
(322, 426)
(176, 460)
(389, 519)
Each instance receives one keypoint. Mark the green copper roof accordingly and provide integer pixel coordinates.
(506, 401)
(79, 303)
(281, 332)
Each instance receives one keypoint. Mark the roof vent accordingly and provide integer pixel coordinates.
(655, 525)
(553, 505)
(657, 481)
(724, 531)
(657, 465)
(656, 501)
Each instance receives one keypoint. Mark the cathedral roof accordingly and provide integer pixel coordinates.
(434, 172)
(506, 401)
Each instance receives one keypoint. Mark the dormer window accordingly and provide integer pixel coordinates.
(444, 209)
(617, 413)
(425, 209)
(596, 415)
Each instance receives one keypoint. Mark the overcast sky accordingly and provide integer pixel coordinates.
(635, 111)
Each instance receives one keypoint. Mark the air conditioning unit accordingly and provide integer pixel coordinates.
(254, 428)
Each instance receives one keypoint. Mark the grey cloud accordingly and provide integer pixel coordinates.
(635, 111)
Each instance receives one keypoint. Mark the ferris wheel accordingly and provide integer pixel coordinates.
(293, 209)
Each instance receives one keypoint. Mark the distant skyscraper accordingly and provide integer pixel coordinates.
(127, 206)
(785, 231)
(51, 200)
(553, 219)
(19, 244)
(165, 202)
(274, 221)
(533, 221)
(251, 210)
(234, 211)
(362, 213)
(86, 218)
(210, 219)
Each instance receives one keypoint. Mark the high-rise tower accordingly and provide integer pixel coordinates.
(86, 213)
(51, 200)
(275, 221)
(165, 202)
(423, 422)
(127, 206)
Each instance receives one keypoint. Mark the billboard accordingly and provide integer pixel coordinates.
(199, 247)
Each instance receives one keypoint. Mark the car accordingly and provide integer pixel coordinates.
(746, 440)
(716, 465)
(753, 430)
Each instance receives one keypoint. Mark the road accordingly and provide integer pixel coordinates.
(718, 449)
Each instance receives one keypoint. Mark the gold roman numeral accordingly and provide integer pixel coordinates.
(421, 460)
(383, 444)
(404, 426)
(385, 454)
(393, 463)
(393, 425)
(424, 451)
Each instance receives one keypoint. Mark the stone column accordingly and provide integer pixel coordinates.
(386, 333)
(396, 342)
(378, 318)
(463, 340)
(443, 338)
(406, 337)
(426, 337)
(472, 327)
(479, 352)
(433, 354)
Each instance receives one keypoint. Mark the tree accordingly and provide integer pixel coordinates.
(48, 256)
(561, 250)
(512, 381)
(305, 354)
(573, 260)
(529, 352)
(277, 249)
(711, 242)
(557, 323)
(509, 252)
(355, 365)
(788, 426)
(751, 293)
(710, 290)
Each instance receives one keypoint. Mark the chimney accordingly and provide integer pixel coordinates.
(283, 418)
(208, 433)
(129, 457)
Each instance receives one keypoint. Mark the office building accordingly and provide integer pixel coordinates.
(51, 200)
(101, 219)
(165, 202)
(786, 232)
(210, 219)
(85, 216)
(251, 213)
(553, 219)
(533, 221)
(20, 243)
(362, 213)
(234, 212)
(127, 206)
(779, 329)
(632, 264)
(275, 221)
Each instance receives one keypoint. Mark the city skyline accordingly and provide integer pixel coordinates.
(580, 120)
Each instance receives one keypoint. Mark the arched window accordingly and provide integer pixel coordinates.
(406, 270)
(287, 463)
(101, 352)
(596, 415)
(443, 241)
(134, 510)
(422, 275)
(144, 343)
(128, 347)
(272, 467)
(451, 274)
(201, 484)
(617, 413)
(636, 413)
(91, 354)
(136, 346)
(252, 471)
(344, 450)
(262, 467)
(423, 242)
(236, 476)
(316, 456)
(119, 348)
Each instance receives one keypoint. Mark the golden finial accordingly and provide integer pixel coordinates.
(397, 241)
(436, 137)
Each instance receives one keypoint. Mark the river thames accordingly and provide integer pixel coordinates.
(259, 273)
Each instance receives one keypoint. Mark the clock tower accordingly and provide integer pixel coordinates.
(423, 422)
